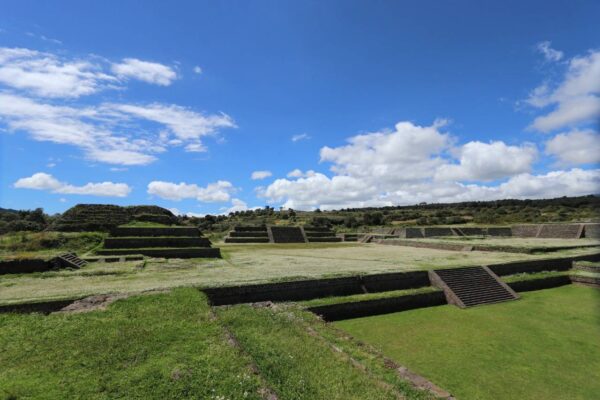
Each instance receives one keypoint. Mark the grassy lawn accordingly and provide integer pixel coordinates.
(162, 346)
(245, 265)
(544, 346)
(301, 365)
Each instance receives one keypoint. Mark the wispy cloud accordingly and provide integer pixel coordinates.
(299, 137)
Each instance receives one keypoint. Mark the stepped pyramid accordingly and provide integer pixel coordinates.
(167, 242)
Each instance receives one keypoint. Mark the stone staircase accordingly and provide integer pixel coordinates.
(473, 286)
(70, 260)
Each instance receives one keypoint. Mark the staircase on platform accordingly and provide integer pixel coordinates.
(71, 260)
(472, 286)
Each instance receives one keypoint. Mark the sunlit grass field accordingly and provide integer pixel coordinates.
(543, 346)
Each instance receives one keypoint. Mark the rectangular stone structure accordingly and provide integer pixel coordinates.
(287, 234)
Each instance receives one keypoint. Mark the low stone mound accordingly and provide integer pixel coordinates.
(320, 234)
(168, 242)
(105, 217)
(248, 234)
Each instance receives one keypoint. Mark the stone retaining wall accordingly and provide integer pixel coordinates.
(25, 266)
(245, 234)
(287, 234)
(207, 252)
(586, 280)
(45, 307)
(145, 242)
(358, 309)
(437, 231)
(564, 231)
(148, 231)
(247, 239)
(592, 231)
(525, 230)
(260, 228)
(316, 288)
(539, 284)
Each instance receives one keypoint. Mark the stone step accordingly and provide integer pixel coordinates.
(467, 287)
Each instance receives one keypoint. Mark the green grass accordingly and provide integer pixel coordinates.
(162, 346)
(298, 365)
(544, 346)
(325, 301)
(47, 244)
(250, 265)
(532, 276)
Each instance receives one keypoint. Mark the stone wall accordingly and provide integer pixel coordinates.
(287, 234)
(563, 231)
(437, 231)
(358, 309)
(148, 231)
(591, 231)
(316, 288)
(525, 230)
(539, 284)
(202, 252)
(24, 266)
(145, 242)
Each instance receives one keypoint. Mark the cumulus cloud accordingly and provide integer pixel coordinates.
(550, 54)
(43, 181)
(575, 100)
(411, 164)
(219, 191)
(408, 152)
(197, 70)
(488, 161)
(146, 71)
(575, 147)
(258, 175)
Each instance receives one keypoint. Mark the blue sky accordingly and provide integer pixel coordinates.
(326, 104)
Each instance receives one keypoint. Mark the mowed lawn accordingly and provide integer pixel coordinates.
(544, 346)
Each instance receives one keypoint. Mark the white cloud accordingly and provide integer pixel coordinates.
(299, 137)
(238, 205)
(197, 70)
(548, 52)
(409, 165)
(575, 100)
(257, 175)
(43, 181)
(575, 147)
(297, 173)
(146, 71)
(47, 75)
(219, 191)
(410, 152)
(181, 122)
(488, 161)
(111, 133)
